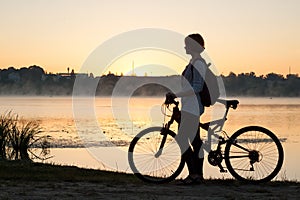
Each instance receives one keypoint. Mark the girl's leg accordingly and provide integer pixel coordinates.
(198, 160)
(186, 133)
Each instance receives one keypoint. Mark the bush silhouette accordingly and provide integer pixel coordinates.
(21, 140)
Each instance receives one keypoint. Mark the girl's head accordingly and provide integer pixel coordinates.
(194, 43)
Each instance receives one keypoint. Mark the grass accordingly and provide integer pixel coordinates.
(30, 171)
(31, 180)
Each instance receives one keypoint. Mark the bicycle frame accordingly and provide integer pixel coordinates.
(216, 126)
(252, 153)
(212, 128)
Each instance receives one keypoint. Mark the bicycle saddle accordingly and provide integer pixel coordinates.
(232, 103)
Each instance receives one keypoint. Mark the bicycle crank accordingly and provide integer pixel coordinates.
(215, 158)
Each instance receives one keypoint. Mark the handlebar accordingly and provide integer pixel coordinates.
(170, 101)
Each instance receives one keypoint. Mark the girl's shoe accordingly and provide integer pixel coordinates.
(192, 180)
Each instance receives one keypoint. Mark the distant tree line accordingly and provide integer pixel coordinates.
(34, 80)
(270, 85)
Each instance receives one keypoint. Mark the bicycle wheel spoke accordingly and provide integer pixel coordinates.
(264, 159)
(150, 166)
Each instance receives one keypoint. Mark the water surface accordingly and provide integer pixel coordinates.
(119, 119)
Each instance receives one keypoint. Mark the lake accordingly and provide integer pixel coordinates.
(95, 132)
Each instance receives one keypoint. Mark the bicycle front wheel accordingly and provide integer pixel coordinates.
(254, 154)
(152, 164)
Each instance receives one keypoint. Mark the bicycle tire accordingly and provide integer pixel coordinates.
(147, 167)
(264, 150)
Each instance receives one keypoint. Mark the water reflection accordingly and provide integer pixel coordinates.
(55, 115)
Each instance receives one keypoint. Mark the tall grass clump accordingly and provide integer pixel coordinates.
(6, 124)
(21, 140)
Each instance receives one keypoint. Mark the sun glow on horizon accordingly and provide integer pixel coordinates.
(148, 62)
(258, 36)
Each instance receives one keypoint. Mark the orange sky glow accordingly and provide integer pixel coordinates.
(241, 36)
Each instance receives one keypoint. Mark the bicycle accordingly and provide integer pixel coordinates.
(253, 153)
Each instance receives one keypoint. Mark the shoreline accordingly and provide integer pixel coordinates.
(83, 157)
(44, 181)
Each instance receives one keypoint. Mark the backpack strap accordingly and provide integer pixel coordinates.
(207, 65)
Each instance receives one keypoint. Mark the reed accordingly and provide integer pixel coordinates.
(21, 140)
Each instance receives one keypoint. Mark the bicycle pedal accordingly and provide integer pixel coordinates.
(223, 171)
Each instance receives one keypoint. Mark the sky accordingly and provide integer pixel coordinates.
(241, 36)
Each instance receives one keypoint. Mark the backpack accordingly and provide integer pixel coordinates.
(210, 92)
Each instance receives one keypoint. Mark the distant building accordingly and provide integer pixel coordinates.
(69, 75)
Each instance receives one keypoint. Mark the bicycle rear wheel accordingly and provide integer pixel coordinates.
(147, 165)
(254, 154)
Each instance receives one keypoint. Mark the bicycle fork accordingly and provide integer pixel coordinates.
(162, 144)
